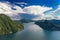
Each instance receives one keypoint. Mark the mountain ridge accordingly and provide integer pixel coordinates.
(8, 26)
(47, 25)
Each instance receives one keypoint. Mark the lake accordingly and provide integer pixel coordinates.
(32, 32)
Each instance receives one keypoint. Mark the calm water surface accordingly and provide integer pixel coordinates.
(32, 32)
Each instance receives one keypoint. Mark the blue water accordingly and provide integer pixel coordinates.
(32, 32)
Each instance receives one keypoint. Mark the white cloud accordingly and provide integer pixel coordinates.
(18, 9)
(40, 10)
(37, 10)
(49, 17)
(22, 3)
(6, 8)
(54, 14)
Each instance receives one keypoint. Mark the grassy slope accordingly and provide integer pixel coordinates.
(8, 26)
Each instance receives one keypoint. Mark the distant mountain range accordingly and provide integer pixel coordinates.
(57, 22)
(7, 26)
(50, 25)
(26, 20)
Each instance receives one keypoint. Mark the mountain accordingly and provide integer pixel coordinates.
(7, 26)
(57, 22)
(47, 25)
(26, 20)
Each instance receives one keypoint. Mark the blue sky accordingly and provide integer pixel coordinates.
(49, 3)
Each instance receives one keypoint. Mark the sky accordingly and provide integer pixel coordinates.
(49, 3)
(31, 9)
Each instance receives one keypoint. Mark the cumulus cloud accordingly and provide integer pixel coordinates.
(45, 13)
(35, 12)
(7, 8)
(36, 9)
(10, 10)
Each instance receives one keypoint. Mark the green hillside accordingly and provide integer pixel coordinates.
(7, 26)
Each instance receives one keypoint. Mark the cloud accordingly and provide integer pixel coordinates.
(10, 10)
(18, 9)
(44, 13)
(54, 14)
(57, 13)
(37, 10)
(34, 12)
(13, 11)
(7, 8)
(23, 3)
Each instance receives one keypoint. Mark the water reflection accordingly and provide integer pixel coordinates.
(55, 35)
(32, 32)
